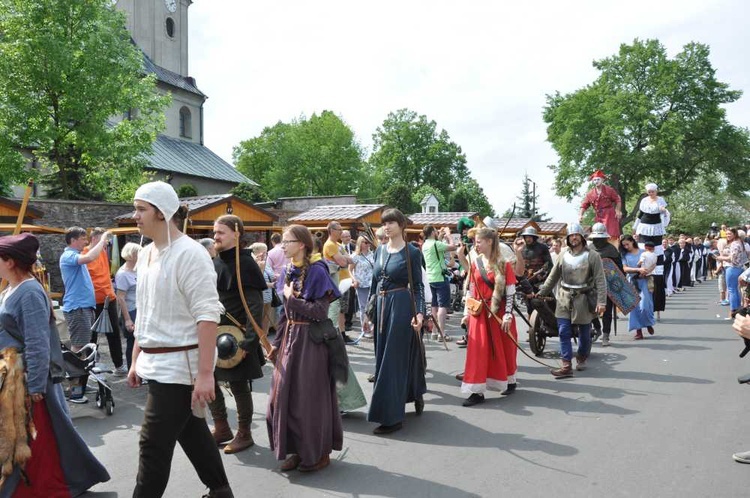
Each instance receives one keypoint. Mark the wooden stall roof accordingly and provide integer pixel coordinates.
(544, 228)
(10, 208)
(203, 210)
(447, 219)
(346, 214)
(26, 227)
(553, 228)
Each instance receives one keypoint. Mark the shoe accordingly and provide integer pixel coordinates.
(565, 371)
(650, 330)
(387, 429)
(368, 335)
(121, 371)
(474, 399)
(605, 340)
(510, 389)
(742, 457)
(460, 376)
(446, 337)
(371, 378)
(724, 303)
(462, 342)
(290, 463)
(419, 405)
(222, 492)
(322, 463)
(82, 400)
(348, 340)
(242, 441)
(77, 395)
(221, 432)
(638, 335)
(580, 363)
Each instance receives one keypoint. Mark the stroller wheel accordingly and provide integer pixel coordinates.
(99, 400)
(109, 407)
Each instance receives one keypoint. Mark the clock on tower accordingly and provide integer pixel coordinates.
(171, 5)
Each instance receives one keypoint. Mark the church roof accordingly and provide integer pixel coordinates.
(190, 158)
(171, 78)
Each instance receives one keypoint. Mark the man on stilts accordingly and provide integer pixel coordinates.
(606, 203)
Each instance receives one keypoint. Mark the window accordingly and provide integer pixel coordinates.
(170, 27)
(432, 209)
(186, 123)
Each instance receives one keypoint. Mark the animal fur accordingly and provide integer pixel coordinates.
(16, 427)
(498, 292)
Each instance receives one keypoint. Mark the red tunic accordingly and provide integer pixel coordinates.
(489, 366)
(604, 204)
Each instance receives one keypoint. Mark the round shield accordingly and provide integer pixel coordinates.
(230, 354)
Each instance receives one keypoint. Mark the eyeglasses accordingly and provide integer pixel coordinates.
(286, 242)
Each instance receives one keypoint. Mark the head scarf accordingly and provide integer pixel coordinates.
(21, 248)
(652, 186)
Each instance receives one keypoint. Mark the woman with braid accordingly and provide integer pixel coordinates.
(304, 424)
(491, 354)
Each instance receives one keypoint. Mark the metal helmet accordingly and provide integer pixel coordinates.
(529, 232)
(575, 228)
(599, 231)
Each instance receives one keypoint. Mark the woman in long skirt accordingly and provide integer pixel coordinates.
(643, 315)
(61, 464)
(304, 424)
(491, 353)
(399, 351)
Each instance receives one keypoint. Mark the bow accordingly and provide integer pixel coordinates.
(261, 335)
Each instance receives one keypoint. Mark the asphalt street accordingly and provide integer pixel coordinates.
(657, 418)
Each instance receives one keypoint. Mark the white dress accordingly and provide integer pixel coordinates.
(648, 206)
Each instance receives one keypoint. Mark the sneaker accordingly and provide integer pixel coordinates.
(742, 457)
(605, 340)
(79, 401)
(446, 337)
(724, 303)
(121, 371)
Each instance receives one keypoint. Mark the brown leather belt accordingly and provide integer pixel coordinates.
(298, 322)
(169, 349)
(388, 291)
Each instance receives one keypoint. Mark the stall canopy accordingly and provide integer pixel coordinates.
(203, 210)
(9, 210)
(351, 216)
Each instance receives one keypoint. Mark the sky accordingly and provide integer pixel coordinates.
(480, 69)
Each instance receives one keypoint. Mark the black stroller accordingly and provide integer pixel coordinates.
(82, 365)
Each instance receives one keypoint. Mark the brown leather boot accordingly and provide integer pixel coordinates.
(221, 431)
(565, 371)
(242, 441)
(580, 363)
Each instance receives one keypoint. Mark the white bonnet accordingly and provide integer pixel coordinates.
(651, 186)
(161, 195)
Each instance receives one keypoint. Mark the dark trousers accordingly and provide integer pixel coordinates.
(243, 397)
(351, 297)
(129, 340)
(168, 419)
(606, 319)
(113, 340)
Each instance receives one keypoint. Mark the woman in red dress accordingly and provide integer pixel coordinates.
(491, 353)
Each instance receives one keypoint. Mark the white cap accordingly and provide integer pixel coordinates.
(161, 195)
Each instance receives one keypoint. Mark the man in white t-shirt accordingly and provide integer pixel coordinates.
(175, 346)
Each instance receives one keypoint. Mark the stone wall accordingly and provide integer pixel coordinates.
(63, 214)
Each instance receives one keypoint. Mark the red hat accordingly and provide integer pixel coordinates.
(598, 174)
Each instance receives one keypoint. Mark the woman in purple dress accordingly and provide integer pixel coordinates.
(304, 424)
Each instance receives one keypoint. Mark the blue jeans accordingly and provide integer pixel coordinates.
(566, 334)
(733, 286)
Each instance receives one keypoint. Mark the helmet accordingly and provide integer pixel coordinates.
(574, 228)
(229, 352)
(599, 231)
(529, 232)
(490, 222)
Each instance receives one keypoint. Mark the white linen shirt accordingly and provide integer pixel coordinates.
(176, 289)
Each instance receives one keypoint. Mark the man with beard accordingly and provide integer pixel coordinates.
(581, 276)
(600, 240)
(239, 377)
(537, 260)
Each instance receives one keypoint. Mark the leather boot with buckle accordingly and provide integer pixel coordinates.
(580, 363)
(242, 441)
(221, 431)
(565, 371)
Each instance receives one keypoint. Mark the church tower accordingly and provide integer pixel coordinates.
(160, 28)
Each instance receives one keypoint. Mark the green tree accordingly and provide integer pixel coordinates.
(187, 190)
(469, 196)
(315, 156)
(648, 117)
(527, 206)
(73, 96)
(702, 202)
(249, 192)
(399, 196)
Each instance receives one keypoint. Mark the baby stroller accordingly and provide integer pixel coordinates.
(79, 366)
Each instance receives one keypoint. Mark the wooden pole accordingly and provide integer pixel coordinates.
(19, 220)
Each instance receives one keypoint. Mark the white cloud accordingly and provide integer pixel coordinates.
(480, 69)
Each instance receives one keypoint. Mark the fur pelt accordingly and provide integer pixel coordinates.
(16, 427)
(498, 292)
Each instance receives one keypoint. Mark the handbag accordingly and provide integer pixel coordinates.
(323, 332)
(275, 299)
(102, 325)
(474, 306)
